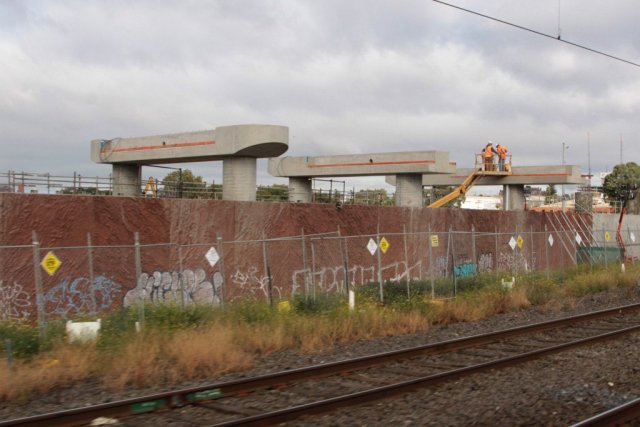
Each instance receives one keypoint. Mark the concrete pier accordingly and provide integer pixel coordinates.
(239, 179)
(513, 197)
(513, 185)
(236, 146)
(409, 190)
(300, 190)
(126, 180)
(409, 166)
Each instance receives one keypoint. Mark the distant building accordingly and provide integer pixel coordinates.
(482, 202)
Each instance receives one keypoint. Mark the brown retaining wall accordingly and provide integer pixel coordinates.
(296, 265)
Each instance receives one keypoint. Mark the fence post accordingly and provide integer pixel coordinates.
(313, 269)
(497, 256)
(267, 270)
(92, 286)
(224, 281)
(304, 264)
(343, 249)
(453, 262)
(142, 290)
(575, 245)
(38, 279)
(563, 235)
(532, 267)
(546, 250)
(379, 263)
(605, 247)
(514, 268)
(406, 258)
(180, 276)
(433, 290)
(473, 246)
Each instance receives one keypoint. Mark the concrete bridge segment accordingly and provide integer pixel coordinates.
(513, 185)
(406, 167)
(237, 146)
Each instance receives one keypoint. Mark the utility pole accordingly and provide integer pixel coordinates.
(589, 157)
(564, 147)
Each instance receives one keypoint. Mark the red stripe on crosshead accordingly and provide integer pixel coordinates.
(540, 174)
(406, 162)
(520, 174)
(157, 147)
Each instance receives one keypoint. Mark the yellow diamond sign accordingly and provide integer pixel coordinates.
(607, 236)
(520, 241)
(51, 263)
(384, 245)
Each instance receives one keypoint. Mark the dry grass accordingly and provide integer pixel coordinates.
(136, 364)
(231, 343)
(205, 352)
(63, 366)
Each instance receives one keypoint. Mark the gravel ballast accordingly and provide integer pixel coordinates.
(555, 390)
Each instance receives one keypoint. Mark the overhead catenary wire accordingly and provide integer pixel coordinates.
(558, 37)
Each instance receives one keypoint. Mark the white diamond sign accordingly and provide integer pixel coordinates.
(632, 237)
(550, 240)
(212, 256)
(578, 239)
(512, 243)
(372, 246)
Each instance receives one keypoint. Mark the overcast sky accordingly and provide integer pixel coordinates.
(344, 76)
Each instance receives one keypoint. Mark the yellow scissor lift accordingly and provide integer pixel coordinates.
(480, 169)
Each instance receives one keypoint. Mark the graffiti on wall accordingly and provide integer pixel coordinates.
(515, 260)
(466, 269)
(332, 279)
(251, 284)
(73, 296)
(15, 303)
(485, 262)
(441, 266)
(192, 287)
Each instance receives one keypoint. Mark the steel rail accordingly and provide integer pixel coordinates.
(384, 392)
(614, 416)
(178, 398)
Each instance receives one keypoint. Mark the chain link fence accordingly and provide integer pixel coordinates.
(41, 283)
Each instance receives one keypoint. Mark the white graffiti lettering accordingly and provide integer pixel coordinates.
(15, 303)
(192, 287)
(485, 262)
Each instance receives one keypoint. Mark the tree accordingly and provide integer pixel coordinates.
(376, 196)
(550, 195)
(273, 193)
(620, 180)
(437, 192)
(183, 183)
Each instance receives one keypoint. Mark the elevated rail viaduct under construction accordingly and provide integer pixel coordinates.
(239, 146)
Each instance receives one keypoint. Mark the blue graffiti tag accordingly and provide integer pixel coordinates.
(71, 297)
(467, 269)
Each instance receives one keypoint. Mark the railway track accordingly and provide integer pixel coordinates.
(287, 395)
(620, 415)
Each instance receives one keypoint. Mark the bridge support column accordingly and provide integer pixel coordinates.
(126, 179)
(300, 190)
(584, 201)
(239, 179)
(513, 197)
(409, 190)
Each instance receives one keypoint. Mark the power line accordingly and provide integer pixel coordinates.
(538, 33)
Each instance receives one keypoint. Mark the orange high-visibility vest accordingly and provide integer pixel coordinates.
(502, 152)
(488, 151)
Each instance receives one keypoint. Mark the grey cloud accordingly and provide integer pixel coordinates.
(345, 76)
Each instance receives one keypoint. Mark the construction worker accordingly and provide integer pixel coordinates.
(502, 155)
(488, 153)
